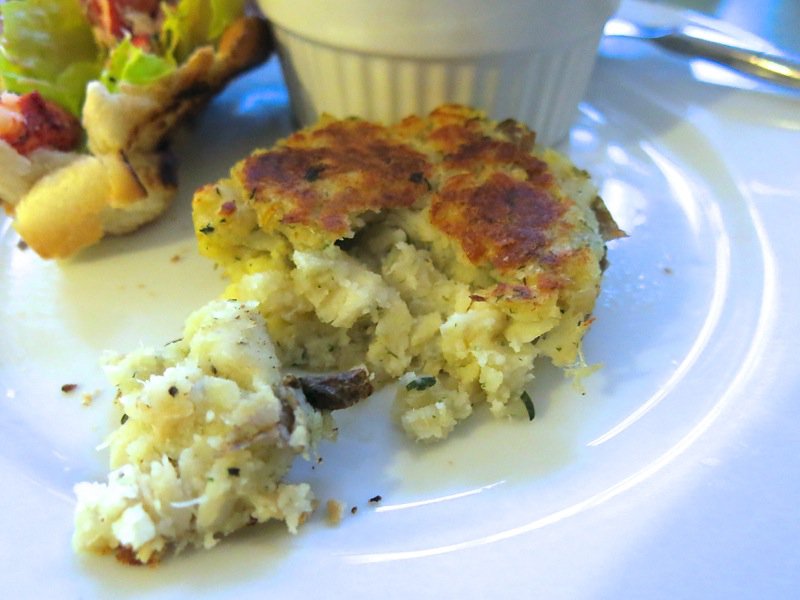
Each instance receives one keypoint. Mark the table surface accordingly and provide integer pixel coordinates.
(777, 21)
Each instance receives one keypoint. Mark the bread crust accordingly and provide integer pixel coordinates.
(65, 201)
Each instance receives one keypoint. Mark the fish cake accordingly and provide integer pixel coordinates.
(446, 252)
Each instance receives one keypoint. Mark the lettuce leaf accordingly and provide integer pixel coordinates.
(47, 45)
(193, 23)
(129, 64)
(186, 26)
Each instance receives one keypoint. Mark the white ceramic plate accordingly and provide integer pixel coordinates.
(672, 475)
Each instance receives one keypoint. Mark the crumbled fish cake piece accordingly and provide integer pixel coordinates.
(210, 427)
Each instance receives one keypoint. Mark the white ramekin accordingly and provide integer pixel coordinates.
(385, 59)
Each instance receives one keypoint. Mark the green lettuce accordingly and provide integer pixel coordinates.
(186, 26)
(193, 23)
(130, 64)
(47, 45)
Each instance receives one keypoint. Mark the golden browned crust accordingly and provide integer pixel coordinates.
(503, 221)
(327, 176)
(75, 206)
(479, 183)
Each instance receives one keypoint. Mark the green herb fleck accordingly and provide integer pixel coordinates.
(419, 177)
(526, 400)
(207, 229)
(421, 383)
(313, 172)
(124, 419)
(233, 471)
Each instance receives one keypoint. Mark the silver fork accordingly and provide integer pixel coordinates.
(704, 42)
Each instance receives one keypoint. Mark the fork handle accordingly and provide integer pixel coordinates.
(777, 68)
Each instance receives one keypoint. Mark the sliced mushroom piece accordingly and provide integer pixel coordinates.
(333, 391)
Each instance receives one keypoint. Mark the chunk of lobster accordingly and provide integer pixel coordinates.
(29, 122)
(114, 19)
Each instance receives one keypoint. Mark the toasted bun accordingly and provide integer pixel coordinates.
(75, 206)
(140, 118)
(18, 173)
(66, 201)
